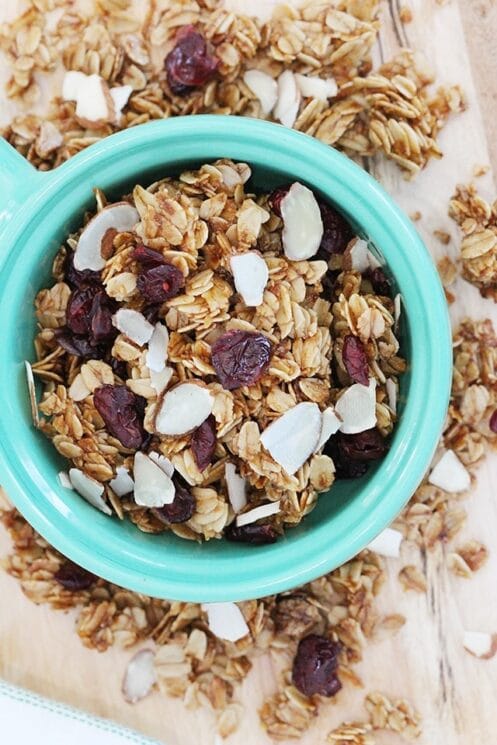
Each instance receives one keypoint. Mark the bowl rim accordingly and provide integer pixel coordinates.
(275, 568)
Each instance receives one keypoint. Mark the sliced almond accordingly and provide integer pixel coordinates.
(134, 325)
(293, 437)
(94, 105)
(480, 644)
(357, 408)
(163, 463)
(302, 223)
(313, 87)
(157, 348)
(120, 216)
(122, 483)
(160, 380)
(449, 474)
(32, 394)
(89, 489)
(264, 87)
(153, 487)
(139, 678)
(387, 543)
(329, 426)
(226, 621)
(120, 96)
(391, 388)
(64, 480)
(237, 488)
(288, 102)
(72, 84)
(250, 274)
(78, 390)
(258, 513)
(184, 408)
(397, 305)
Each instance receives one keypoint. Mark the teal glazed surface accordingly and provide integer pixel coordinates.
(36, 213)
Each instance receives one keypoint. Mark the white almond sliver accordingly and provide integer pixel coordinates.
(88, 254)
(157, 348)
(226, 621)
(359, 256)
(237, 488)
(258, 513)
(139, 678)
(251, 274)
(162, 462)
(184, 408)
(120, 96)
(480, 644)
(264, 87)
(391, 388)
(134, 325)
(89, 489)
(78, 390)
(288, 102)
(72, 84)
(93, 102)
(313, 87)
(387, 543)
(153, 487)
(32, 393)
(302, 223)
(64, 480)
(449, 474)
(357, 408)
(122, 483)
(329, 426)
(160, 380)
(397, 304)
(293, 437)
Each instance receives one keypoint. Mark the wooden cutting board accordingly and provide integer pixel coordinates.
(425, 662)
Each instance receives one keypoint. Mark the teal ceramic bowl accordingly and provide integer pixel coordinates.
(38, 210)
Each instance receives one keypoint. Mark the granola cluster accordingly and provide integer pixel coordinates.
(358, 110)
(320, 333)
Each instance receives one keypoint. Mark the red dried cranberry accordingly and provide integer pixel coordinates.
(79, 279)
(120, 409)
(147, 257)
(80, 346)
(336, 232)
(240, 358)
(255, 534)
(189, 64)
(493, 422)
(101, 318)
(364, 446)
(181, 508)
(73, 577)
(381, 284)
(344, 468)
(160, 283)
(276, 197)
(315, 666)
(78, 311)
(355, 359)
(204, 443)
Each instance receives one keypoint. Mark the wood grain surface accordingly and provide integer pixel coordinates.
(425, 662)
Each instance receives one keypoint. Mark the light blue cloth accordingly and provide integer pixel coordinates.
(28, 719)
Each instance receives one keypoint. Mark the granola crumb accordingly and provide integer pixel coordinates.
(411, 578)
(415, 216)
(405, 14)
(474, 554)
(447, 270)
(480, 170)
(442, 236)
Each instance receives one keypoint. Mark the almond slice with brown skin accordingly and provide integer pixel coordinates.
(120, 216)
(480, 644)
(134, 325)
(226, 621)
(153, 487)
(183, 409)
(302, 223)
(139, 678)
(89, 489)
(288, 102)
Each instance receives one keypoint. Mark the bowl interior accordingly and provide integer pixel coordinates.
(163, 565)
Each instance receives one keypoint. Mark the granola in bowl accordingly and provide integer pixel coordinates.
(213, 359)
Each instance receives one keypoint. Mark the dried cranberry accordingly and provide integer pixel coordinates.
(336, 232)
(147, 257)
(189, 64)
(80, 346)
(381, 284)
(120, 409)
(181, 508)
(276, 197)
(315, 666)
(355, 359)
(344, 468)
(240, 358)
(79, 279)
(78, 311)
(160, 283)
(364, 446)
(119, 367)
(253, 533)
(73, 577)
(102, 310)
(493, 422)
(204, 443)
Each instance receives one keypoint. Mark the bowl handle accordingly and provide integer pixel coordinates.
(18, 180)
